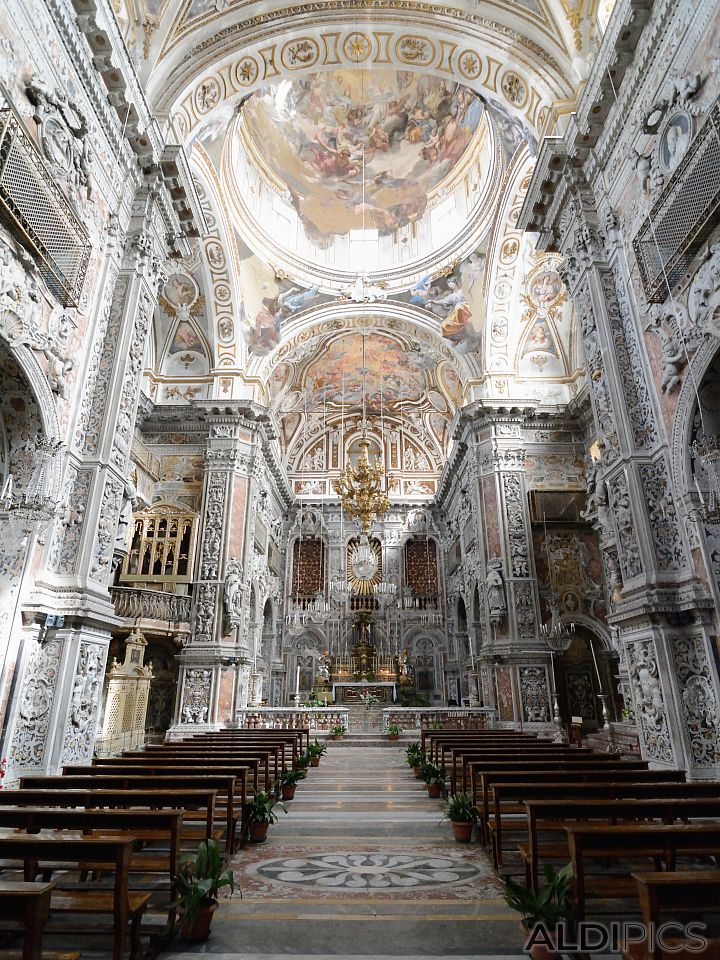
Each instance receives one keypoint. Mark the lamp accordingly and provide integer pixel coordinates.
(361, 489)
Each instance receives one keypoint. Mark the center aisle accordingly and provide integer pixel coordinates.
(361, 867)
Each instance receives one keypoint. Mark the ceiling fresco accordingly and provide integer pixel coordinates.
(362, 149)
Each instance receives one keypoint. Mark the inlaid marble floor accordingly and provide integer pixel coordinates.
(361, 868)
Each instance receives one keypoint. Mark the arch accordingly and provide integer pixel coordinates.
(493, 59)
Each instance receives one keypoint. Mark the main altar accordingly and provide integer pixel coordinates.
(361, 672)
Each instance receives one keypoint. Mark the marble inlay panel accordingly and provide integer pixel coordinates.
(368, 871)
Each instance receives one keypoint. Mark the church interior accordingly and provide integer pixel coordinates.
(359, 433)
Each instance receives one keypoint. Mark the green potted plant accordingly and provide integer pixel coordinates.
(394, 731)
(461, 812)
(288, 783)
(316, 750)
(200, 876)
(547, 908)
(261, 814)
(303, 762)
(415, 757)
(434, 778)
(338, 731)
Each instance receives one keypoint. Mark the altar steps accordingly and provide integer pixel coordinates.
(374, 739)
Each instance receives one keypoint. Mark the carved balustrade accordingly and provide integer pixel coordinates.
(135, 604)
(316, 718)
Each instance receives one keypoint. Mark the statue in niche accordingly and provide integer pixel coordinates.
(495, 591)
(233, 590)
(130, 500)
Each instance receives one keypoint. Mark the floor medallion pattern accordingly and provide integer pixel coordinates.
(369, 871)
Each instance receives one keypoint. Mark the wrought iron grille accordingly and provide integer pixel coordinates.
(557, 505)
(39, 214)
(683, 216)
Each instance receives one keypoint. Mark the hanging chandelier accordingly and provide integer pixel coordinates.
(361, 489)
(558, 634)
(707, 450)
(385, 594)
(339, 589)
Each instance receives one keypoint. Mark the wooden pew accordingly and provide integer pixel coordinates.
(526, 755)
(508, 813)
(148, 826)
(432, 741)
(29, 905)
(483, 787)
(553, 816)
(272, 757)
(662, 844)
(200, 801)
(672, 894)
(231, 790)
(38, 854)
(159, 764)
(246, 770)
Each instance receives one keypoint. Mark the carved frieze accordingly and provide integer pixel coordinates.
(629, 549)
(196, 696)
(699, 703)
(37, 695)
(669, 549)
(78, 742)
(534, 694)
(516, 525)
(649, 702)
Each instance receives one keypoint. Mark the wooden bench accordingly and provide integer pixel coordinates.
(626, 842)
(508, 813)
(611, 777)
(198, 805)
(245, 770)
(28, 904)
(521, 757)
(126, 907)
(147, 826)
(231, 790)
(672, 894)
(553, 816)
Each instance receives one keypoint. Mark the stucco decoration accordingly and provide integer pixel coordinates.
(649, 702)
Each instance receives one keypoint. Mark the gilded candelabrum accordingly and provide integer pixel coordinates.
(360, 489)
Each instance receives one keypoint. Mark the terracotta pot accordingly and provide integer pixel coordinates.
(200, 930)
(315, 762)
(434, 790)
(288, 791)
(336, 736)
(393, 736)
(463, 830)
(258, 832)
(416, 771)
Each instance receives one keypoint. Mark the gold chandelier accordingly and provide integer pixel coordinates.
(361, 489)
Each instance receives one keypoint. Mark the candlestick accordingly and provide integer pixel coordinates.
(597, 670)
(297, 680)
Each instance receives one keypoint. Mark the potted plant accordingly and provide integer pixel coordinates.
(288, 783)
(394, 731)
(338, 731)
(542, 912)
(461, 812)
(316, 751)
(434, 778)
(200, 876)
(416, 757)
(261, 814)
(302, 763)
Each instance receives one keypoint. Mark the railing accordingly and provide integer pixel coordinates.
(316, 718)
(448, 718)
(114, 744)
(150, 605)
